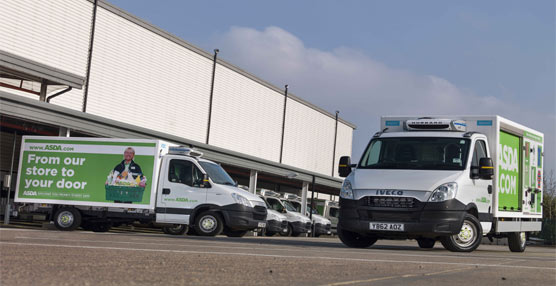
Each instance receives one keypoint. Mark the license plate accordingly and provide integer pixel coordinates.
(387, 226)
(261, 224)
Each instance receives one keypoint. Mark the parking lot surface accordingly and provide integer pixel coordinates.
(34, 256)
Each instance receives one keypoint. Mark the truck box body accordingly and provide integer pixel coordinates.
(66, 170)
(516, 170)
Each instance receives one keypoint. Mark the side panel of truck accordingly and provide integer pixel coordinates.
(81, 171)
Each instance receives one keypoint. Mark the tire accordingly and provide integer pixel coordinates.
(192, 231)
(288, 232)
(296, 234)
(517, 241)
(316, 235)
(85, 225)
(469, 237)
(426, 242)
(177, 229)
(269, 233)
(209, 223)
(236, 233)
(355, 240)
(67, 219)
(101, 227)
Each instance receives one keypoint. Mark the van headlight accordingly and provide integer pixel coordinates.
(241, 200)
(346, 192)
(444, 192)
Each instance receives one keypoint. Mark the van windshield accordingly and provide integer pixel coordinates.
(289, 206)
(274, 204)
(416, 153)
(217, 174)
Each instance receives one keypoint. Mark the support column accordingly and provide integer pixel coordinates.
(8, 182)
(304, 190)
(42, 94)
(253, 182)
(64, 132)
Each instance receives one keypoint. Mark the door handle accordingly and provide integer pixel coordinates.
(165, 191)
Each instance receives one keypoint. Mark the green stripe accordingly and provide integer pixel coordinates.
(532, 136)
(76, 142)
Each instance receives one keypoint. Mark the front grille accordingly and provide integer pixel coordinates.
(260, 213)
(390, 202)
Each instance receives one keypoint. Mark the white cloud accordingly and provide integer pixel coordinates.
(361, 88)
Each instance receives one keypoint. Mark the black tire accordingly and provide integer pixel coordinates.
(316, 235)
(269, 233)
(192, 231)
(85, 225)
(101, 227)
(236, 233)
(67, 219)
(209, 223)
(355, 240)
(296, 234)
(426, 242)
(517, 241)
(469, 237)
(177, 229)
(288, 232)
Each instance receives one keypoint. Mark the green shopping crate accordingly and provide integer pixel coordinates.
(124, 193)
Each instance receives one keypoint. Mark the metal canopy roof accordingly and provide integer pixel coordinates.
(34, 110)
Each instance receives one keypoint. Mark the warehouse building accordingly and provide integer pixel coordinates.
(88, 68)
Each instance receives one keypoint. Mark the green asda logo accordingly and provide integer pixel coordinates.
(53, 147)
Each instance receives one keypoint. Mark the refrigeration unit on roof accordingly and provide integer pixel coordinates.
(435, 124)
(186, 151)
(292, 197)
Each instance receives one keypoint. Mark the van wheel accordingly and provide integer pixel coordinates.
(67, 219)
(269, 233)
(209, 224)
(288, 232)
(177, 229)
(355, 240)
(468, 238)
(517, 241)
(236, 233)
(426, 242)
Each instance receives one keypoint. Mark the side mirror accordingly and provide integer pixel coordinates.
(344, 167)
(486, 168)
(284, 211)
(205, 183)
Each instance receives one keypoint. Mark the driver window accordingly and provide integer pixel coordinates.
(478, 153)
(184, 172)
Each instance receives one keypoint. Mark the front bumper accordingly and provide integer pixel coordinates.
(424, 219)
(240, 217)
(276, 226)
(322, 229)
(301, 227)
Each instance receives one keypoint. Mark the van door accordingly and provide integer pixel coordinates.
(181, 191)
(480, 190)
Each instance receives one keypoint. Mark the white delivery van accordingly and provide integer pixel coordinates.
(99, 182)
(321, 225)
(331, 212)
(449, 179)
(297, 223)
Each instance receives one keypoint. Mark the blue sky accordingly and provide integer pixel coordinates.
(372, 58)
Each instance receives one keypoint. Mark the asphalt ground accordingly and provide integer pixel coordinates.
(30, 255)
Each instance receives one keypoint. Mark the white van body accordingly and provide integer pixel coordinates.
(321, 225)
(297, 223)
(419, 178)
(180, 188)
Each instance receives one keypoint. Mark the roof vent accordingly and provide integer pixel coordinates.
(435, 124)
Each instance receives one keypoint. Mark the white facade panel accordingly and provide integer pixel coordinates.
(343, 144)
(54, 33)
(72, 99)
(141, 78)
(308, 139)
(247, 116)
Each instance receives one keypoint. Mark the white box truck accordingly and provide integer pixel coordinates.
(452, 179)
(99, 182)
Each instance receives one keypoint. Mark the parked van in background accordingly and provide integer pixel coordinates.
(331, 212)
(448, 179)
(297, 223)
(321, 225)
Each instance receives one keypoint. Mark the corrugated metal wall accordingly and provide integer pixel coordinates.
(142, 77)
